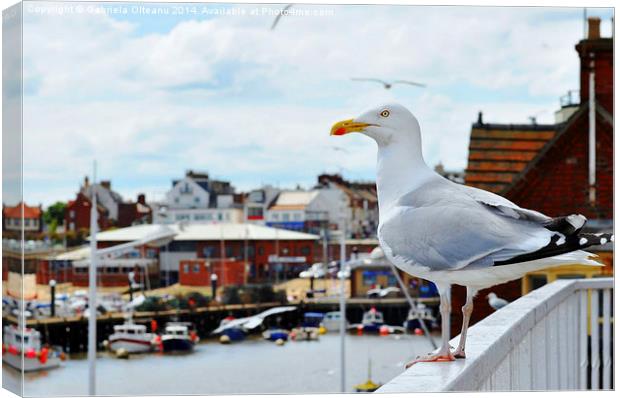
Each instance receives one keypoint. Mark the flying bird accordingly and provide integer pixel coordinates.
(387, 85)
(280, 14)
(495, 302)
(447, 233)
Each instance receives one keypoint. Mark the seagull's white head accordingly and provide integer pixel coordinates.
(491, 296)
(386, 124)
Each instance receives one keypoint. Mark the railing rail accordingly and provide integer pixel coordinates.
(557, 337)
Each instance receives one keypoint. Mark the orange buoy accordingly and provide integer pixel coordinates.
(360, 329)
(418, 332)
(384, 330)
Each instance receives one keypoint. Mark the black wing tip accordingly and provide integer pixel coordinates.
(554, 248)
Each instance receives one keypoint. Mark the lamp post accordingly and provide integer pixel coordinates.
(131, 280)
(52, 284)
(213, 284)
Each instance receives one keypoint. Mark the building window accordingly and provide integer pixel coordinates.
(72, 214)
(186, 268)
(297, 217)
(196, 268)
(229, 251)
(275, 216)
(227, 216)
(305, 251)
(261, 250)
(285, 217)
(26, 222)
(219, 216)
(72, 226)
(176, 200)
(196, 199)
(209, 216)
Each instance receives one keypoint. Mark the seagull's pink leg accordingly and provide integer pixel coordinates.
(468, 308)
(443, 354)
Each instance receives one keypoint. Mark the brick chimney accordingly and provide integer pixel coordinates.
(600, 50)
(141, 199)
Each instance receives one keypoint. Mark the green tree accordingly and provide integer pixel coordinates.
(55, 214)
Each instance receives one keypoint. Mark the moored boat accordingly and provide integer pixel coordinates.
(179, 337)
(131, 337)
(27, 341)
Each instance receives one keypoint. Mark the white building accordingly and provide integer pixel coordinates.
(309, 211)
(257, 204)
(198, 199)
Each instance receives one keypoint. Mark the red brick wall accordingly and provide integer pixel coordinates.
(558, 183)
(229, 273)
(81, 208)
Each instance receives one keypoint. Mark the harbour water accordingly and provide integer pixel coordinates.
(251, 366)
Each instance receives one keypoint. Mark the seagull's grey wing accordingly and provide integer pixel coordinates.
(410, 83)
(503, 205)
(442, 228)
(364, 79)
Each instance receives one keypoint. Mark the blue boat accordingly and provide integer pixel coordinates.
(178, 337)
(275, 334)
(234, 334)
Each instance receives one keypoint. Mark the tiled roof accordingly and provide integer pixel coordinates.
(15, 211)
(500, 152)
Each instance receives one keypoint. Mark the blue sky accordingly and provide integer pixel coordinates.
(150, 96)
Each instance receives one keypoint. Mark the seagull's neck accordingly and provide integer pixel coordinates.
(400, 170)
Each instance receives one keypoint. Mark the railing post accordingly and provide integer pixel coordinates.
(583, 339)
(594, 341)
(606, 339)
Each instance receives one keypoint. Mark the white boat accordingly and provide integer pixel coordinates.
(331, 321)
(420, 312)
(131, 337)
(35, 357)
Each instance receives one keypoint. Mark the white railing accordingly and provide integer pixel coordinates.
(557, 337)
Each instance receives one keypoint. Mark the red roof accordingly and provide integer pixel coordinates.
(498, 153)
(15, 211)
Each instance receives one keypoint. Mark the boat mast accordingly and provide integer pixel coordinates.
(92, 289)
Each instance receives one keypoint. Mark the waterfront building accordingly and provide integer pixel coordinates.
(197, 198)
(257, 203)
(12, 218)
(362, 202)
(311, 211)
(269, 254)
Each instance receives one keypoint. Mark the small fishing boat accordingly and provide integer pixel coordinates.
(275, 334)
(35, 356)
(131, 337)
(233, 333)
(372, 320)
(331, 321)
(420, 312)
(179, 337)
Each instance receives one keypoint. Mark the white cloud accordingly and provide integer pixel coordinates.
(230, 96)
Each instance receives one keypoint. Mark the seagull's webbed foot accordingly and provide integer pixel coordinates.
(459, 354)
(441, 356)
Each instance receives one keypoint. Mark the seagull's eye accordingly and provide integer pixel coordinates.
(385, 113)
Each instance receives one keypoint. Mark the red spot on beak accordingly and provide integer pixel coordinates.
(340, 131)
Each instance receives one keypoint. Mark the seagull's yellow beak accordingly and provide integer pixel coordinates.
(348, 126)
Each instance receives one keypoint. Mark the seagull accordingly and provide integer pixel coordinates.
(280, 14)
(387, 85)
(447, 233)
(495, 302)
